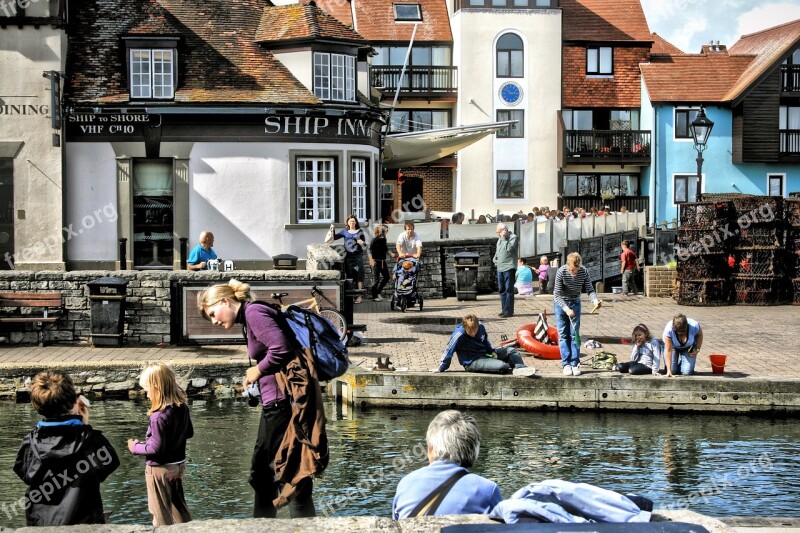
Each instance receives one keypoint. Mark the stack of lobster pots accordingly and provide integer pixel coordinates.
(792, 209)
(702, 251)
(760, 265)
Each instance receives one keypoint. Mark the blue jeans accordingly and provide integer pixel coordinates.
(505, 284)
(683, 363)
(507, 360)
(570, 351)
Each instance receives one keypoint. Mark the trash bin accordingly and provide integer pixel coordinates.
(107, 310)
(466, 275)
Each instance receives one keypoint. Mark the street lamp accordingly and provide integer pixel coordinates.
(701, 129)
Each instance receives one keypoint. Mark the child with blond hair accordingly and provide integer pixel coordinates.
(544, 265)
(165, 445)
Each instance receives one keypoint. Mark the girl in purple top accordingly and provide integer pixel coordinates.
(226, 305)
(165, 445)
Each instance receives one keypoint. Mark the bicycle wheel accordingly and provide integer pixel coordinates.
(337, 319)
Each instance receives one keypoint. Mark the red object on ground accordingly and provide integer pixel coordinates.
(531, 345)
(717, 363)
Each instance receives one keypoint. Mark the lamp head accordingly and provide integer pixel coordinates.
(701, 129)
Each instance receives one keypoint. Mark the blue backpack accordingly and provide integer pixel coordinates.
(315, 333)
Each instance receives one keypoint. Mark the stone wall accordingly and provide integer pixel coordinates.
(150, 297)
(659, 281)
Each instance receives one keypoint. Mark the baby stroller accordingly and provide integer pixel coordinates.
(405, 284)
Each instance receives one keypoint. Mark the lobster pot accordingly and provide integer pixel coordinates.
(699, 241)
(705, 214)
(791, 208)
(764, 235)
(770, 262)
(759, 290)
(704, 266)
(704, 292)
(796, 290)
(758, 209)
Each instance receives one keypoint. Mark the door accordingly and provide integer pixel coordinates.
(6, 214)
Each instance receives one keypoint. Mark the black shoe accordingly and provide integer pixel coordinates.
(508, 315)
(502, 315)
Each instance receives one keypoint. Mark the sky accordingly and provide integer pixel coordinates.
(688, 24)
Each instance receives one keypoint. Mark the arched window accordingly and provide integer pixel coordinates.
(509, 56)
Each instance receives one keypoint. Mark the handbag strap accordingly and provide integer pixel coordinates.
(430, 503)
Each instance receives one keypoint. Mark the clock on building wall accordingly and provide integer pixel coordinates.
(511, 93)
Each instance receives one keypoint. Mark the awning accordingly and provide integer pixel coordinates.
(409, 149)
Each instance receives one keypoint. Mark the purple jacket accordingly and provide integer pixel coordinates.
(267, 344)
(166, 436)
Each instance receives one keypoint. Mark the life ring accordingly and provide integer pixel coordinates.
(528, 343)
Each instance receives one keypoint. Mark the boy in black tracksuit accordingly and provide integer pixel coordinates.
(63, 460)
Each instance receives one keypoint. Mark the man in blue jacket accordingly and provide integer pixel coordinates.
(476, 354)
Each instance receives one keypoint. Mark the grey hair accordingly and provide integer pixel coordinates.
(501, 226)
(454, 437)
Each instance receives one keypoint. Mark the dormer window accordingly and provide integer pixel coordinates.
(335, 76)
(152, 67)
(407, 12)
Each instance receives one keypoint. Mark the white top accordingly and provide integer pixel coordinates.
(409, 246)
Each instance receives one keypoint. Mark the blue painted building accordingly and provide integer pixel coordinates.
(752, 94)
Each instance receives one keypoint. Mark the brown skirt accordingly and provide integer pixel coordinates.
(165, 499)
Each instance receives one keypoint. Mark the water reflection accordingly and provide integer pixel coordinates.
(742, 466)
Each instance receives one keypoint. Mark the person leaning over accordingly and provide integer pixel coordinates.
(505, 259)
(629, 265)
(63, 443)
(202, 253)
(409, 243)
(683, 338)
(454, 442)
(571, 280)
(476, 354)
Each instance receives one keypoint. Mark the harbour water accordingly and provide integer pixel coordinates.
(715, 465)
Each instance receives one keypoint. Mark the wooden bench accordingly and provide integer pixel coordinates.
(33, 301)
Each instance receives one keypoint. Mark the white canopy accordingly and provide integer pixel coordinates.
(419, 147)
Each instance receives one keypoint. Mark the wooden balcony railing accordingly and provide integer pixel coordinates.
(790, 78)
(789, 142)
(418, 80)
(607, 146)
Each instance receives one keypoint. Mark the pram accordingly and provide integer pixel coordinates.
(405, 284)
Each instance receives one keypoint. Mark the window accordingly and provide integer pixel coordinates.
(152, 214)
(405, 120)
(315, 189)
(358, 185)
(509, 56)
(599, 60)
(775, 184)
(152, 73)
(420, 56)
(683, 118)
(514, 130)
(577, 119)
(686, 188)
(596, 184)
(407, 12)
(335, 76)
(387, 191)
(510, 184)
(789, 129)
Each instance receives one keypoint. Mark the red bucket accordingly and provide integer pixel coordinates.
(717, 363)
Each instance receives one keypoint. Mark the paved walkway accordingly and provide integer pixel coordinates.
(760, 342)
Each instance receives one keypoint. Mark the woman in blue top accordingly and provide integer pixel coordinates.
(355, 242)
(682, 340)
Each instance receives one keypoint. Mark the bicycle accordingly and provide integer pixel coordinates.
(334, 317)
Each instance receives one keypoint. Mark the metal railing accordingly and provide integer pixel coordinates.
(607, 145)
(631, 203)
(419, 80)
(790, 78)
(789, 142)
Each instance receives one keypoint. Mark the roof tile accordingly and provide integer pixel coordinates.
(604, 20)
(375, 20)
(302, 22)
(693, 77)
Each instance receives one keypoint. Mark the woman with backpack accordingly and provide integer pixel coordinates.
(278, 362)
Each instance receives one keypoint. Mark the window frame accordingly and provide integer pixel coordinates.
(325, 79)
(359, 189)
(316, 185)
(151, 74)
(510, 173)
(599, 61)
(412, 124)
(782, 178)
(685, 177)
(689, 118)
(498, 51)
(399, 18)
(520, 126)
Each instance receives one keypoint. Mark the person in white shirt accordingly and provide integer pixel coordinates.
(409, 243)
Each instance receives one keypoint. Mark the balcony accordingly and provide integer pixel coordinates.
(631, 147)
(418, 81)
(790, 79)
(789, 143)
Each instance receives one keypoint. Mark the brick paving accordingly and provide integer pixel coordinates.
(760, 342)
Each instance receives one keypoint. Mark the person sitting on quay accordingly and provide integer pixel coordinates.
(645, 356)
(454, 442)
(683, 338)
(476, 354)
(524, 278)
(202, 253)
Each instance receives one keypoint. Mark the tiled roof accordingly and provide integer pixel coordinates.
(770, 47)
(302, 22)
(218, 58)
(375, 20)
(698, 78)
(341, 9)
(663, 47)
(604, 20)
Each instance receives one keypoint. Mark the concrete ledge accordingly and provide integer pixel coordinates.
(607, 391)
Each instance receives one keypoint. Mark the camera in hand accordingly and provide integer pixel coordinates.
(252, 394)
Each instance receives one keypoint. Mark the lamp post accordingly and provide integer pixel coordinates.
(701, 129)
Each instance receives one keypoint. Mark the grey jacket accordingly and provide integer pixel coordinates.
(505, 254)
